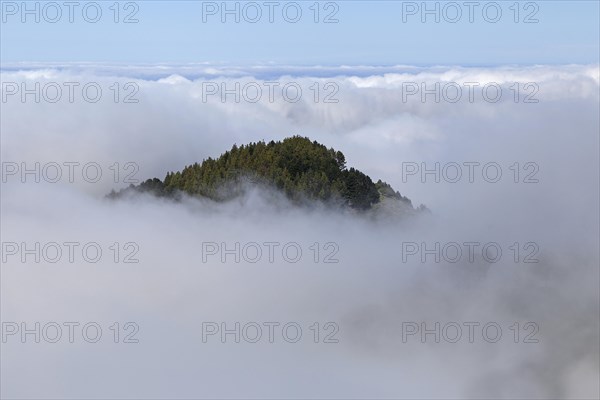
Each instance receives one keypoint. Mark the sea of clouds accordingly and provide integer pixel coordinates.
(176, 288)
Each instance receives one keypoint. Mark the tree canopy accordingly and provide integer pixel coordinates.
(300, 168)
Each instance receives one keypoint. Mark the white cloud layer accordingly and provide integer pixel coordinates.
(369, 293)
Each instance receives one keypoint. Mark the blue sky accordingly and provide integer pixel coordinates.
(368, 33)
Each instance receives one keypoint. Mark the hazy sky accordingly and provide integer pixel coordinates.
(367, 32)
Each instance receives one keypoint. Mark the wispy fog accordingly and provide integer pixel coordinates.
(384, 282)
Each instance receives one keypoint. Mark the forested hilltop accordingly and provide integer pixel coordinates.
(302, 169)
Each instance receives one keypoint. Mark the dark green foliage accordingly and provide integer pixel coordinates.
(387, 191)
(359, 189)
(301, 169)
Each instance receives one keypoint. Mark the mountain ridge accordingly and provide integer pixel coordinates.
(304, 170)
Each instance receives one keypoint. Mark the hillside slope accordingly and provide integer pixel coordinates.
(304, 170)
